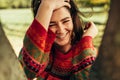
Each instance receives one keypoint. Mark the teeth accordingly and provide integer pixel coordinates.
(61, 37)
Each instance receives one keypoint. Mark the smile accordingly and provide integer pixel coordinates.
(62, 36)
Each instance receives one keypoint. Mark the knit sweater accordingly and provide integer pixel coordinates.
(40, 62)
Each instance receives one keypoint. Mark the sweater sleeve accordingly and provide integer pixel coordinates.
(37, 44)
(84, 57)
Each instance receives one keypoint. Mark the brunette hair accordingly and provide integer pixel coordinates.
(76, 17)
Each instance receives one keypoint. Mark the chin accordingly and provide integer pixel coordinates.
(62, 43)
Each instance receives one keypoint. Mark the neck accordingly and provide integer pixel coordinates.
(65, 48)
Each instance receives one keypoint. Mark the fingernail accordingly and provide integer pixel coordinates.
(87, 25)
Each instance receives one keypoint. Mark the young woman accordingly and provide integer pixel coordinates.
(56, 47)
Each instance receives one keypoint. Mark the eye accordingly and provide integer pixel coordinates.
(52, 24)
(66, 21)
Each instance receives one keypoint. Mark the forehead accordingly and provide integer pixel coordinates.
(60, 14)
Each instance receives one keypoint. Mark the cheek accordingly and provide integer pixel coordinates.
(52, 29)
(70, 27)
(70, 30)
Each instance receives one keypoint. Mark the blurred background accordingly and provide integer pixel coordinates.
(16, 16)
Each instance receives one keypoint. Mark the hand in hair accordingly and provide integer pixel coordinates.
(56, 4)
(90, 30)
(46, 9)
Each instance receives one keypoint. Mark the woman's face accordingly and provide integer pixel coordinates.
(61, 24)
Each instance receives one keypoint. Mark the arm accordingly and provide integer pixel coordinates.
(84, 59)
(38, 40)
(90, 30)
(87, 54)
(46, 9)
(34, 55)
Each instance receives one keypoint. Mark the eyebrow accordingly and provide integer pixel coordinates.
(60, 20)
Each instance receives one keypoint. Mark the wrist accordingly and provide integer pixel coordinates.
(87, 35)
(47, 5)
(44, 14)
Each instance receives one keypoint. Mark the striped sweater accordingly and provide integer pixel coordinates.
(40, 62)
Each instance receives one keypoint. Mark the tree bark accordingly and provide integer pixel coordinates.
(107, 65)
(10, 68)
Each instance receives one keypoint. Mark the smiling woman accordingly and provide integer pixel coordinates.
(61, 24)
(55, 45)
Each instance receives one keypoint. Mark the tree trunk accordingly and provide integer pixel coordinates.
(107, 65)
(10, 68)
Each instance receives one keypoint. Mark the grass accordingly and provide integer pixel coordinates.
(16, 22)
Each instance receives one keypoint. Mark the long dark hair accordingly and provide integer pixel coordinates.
(76, 17)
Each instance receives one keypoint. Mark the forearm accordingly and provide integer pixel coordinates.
(82, 75)
(46, 9)
(44, 14)
(85, 59)
(34, 55)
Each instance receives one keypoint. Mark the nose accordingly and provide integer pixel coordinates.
(60, 28)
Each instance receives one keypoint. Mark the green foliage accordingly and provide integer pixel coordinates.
(21, 4)
(15, 4)
(27, 3)
(3, 4)
(92, 3)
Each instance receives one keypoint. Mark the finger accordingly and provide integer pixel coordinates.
(39, 1)
(87, 25)
(67, 1)
(67, 4)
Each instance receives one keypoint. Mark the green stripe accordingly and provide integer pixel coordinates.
(39, 78)
(81, 75)
(83, 54)
(76, 76)
(85, 74)
(34, 51)
(29, 74)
